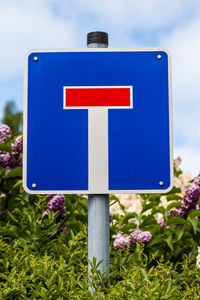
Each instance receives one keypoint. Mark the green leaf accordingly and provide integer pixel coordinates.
(44, 292)
(2, 171)
(194, 223)
(60, 283)
(16, 172)
(18, 183)
(144, 273)
(147, 206)
(130, 215)
(156, 240)
(173, 197)
(12, 216)
(148, 220)
(179, 231)
(80, 217)
(175, 220)
(6, 148)
(192, 219)
(194, 213)
(169, 242)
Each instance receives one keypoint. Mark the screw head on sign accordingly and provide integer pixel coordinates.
(161, 183)
(34, 185)
(35, 58)
(159, 56)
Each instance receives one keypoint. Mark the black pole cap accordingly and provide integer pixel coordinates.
(97, 37)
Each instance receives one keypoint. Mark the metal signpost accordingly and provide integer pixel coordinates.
(102, 119)
(98, 205)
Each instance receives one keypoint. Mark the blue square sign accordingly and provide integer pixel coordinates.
(98, 121)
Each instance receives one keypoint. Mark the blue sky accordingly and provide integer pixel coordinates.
(172, 24)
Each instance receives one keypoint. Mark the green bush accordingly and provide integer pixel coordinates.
(44, 249)
(29, 275)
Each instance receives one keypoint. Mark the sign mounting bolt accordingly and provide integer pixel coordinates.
(35, 58)
(161, 183)
(159, 56)
(34, 185)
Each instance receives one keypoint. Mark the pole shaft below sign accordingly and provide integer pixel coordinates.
(99, 230)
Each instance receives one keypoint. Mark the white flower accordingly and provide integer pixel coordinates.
(198, 258)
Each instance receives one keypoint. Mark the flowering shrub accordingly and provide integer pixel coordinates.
(56, 203)
(52, 210)
(190, 200)
(10, 153)
(172, 235)
(122, 241)
(140, 236)
(5, 133)
(40, 259)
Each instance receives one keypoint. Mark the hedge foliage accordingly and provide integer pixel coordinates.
(45, 256)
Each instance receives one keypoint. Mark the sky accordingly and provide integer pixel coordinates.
(54, 24)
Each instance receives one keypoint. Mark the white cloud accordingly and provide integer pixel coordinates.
(190, 159)
(184, 45)
(123, 19)
(26, 25)
(63, 24)
(132, 14)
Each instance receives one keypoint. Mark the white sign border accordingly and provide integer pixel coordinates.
(130, 87)
(25, 119)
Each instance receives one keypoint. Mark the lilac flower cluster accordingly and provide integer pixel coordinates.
(17, 150)
(7, 159)
(124, 240)
(190, 200)
(140, 236)
(56, 203)
(5, 133)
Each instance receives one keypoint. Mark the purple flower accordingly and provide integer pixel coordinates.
(110, 217)
(17, 150)
(56, 203)
(190, 200)
(161, 222)
(5, 133)
(122, 241)
(8, 170)
(6, 159)
(140, 236)
(17, 145)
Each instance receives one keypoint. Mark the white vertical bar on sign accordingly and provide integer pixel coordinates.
(98, 149)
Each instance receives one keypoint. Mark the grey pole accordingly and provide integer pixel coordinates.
(98, 205)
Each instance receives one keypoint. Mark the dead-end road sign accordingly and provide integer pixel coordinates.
(98, 121)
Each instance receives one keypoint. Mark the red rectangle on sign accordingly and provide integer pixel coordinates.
(97, 96)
